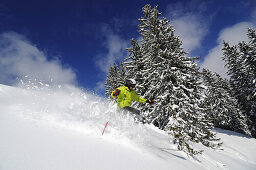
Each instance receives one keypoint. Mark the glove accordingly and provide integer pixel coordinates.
(150, 101)
(116, 92)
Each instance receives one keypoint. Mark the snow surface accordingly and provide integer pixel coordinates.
(60, 127)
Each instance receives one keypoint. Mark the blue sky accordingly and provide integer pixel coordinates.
(76, 41)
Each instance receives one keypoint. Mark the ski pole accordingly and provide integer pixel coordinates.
(105, 128)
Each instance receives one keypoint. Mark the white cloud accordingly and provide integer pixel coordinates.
(191, 31)
(189, 24)
(116, 50)
(115, 47)
(100, 86)
(19, 57)
(253, 14)
(251, 5)
(213, 61)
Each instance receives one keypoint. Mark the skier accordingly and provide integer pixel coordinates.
(126, 94)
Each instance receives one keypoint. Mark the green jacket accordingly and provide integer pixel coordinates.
(126, 96)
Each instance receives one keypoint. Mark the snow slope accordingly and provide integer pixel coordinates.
(44, 127)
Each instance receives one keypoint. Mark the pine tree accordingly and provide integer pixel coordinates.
(222, 107)
(134, 64)
(111, 80)
(121, 74)
(115, 78)
(241, 63)
(173, 79)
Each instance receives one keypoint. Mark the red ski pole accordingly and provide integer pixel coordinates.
(105, 128)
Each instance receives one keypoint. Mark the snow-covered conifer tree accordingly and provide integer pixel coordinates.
(115, 78)
(172, 78)
(134, 64)
(241, 63)
(223, 108)
(121, 74)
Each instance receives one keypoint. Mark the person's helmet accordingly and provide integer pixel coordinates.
(130, 82)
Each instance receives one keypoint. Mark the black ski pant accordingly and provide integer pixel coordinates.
(134, 111)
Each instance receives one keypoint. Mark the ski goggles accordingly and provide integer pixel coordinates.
(133, 85)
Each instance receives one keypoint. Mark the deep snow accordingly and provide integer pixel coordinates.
(59, 127)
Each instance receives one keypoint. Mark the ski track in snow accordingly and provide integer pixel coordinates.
(70, 108)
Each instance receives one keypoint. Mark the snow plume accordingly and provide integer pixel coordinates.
(189, 23)
(213, 61)
(70, 107)
(19, 57)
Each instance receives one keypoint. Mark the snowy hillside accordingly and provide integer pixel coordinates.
(60, 128)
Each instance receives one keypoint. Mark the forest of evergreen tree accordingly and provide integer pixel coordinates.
(190, 101)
